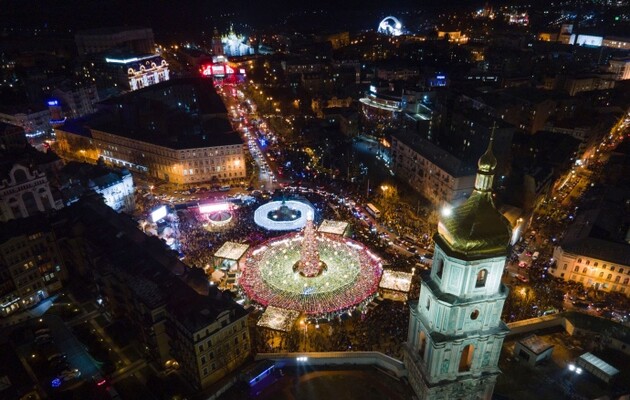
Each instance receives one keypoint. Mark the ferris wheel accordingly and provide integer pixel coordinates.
(390, 26)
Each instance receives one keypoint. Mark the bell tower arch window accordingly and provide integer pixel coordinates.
(465, 361)
(439, 267)
(482, 276)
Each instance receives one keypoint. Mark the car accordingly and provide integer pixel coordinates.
(43, 339)
(56, 356)
(522, 278)
(70, 374)
(581, 304)
(42, 331)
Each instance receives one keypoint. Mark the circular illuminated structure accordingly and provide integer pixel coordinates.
(220, 218)
(317, 274)
(390, 26)
(288, 215)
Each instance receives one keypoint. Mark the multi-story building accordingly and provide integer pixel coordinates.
(620, 67)
(11, 137)
(116, 186)
(436, 174)
(595, 249)
(125, 71)
(25, 192)
(574, 85)
(31, 267)
(76, 102)
(178, 317)
(177, 131)
(397, 73)
(455, 329)
(616, 42)
(139, 40)
(526, 108)
(34, 119)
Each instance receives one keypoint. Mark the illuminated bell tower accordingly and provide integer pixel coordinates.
(455, 330)
(217, 46)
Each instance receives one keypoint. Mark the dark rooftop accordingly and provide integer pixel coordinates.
(443, 159)
(600, 230)
(155, 274)
(179, 114)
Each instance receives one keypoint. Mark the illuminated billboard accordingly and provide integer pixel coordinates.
(219, 70)
(213, 207)
(158, 214)
(588, 40)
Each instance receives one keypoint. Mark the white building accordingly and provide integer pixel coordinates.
(116, 186)
(438, 175)
(595, 249)
(76, 102)
(455, 329)
(25, 192)
(236, 45)
(34, 122)
(620, 67)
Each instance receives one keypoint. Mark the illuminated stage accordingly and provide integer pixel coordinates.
(289, 215)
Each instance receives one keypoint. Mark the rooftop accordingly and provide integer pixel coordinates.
(443, 159)
(334, 227)
(180, 114)
(536, 344)
(154, 273)
(231, 250)
(600, 230)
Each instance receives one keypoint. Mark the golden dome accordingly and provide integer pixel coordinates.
(487, 162)
(475, 229)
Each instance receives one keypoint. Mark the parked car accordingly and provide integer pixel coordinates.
(70, 374)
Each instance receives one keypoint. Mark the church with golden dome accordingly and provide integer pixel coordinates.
(455, 330)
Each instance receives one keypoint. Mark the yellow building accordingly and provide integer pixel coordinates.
(177, 131)
(595, 249)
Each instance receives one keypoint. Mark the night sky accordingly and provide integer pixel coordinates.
(168, 15)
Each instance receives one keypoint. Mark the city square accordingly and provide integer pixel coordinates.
(310, 200)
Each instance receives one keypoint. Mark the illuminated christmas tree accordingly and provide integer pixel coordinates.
(309, 264)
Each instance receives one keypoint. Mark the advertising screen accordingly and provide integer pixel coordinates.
(158, 213)
(214, 207)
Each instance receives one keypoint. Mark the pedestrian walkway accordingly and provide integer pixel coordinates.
(35, 312)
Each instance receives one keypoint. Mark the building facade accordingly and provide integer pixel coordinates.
(135, 73)
(179, 319)
(192, 165)
(25, 192)
(595, 248)
(177, 131)
(76, 102)
(31, 266)
(592, 272)
(620, 67)
(35, 122)
(455, 329)
(433, 172)
(116, 186)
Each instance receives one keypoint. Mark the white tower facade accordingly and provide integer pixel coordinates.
(455, 330)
